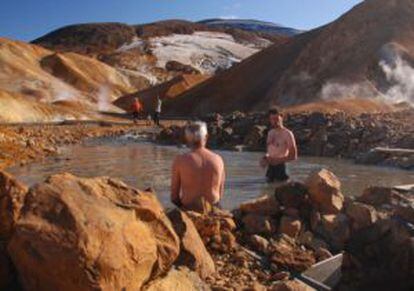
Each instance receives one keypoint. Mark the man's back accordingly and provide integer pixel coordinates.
(201, 176)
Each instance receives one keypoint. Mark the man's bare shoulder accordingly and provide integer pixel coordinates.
(180, 157)
(214, 155)
(272, 131)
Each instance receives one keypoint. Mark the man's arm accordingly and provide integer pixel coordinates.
(293, 150)
(223, 180)
(264, 161)
(175, 183)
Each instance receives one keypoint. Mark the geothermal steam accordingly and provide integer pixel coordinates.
(401, 75)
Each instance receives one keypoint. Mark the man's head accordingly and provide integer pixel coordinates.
(275, 117)
(196, 134)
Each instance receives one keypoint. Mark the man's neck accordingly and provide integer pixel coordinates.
(198, 148)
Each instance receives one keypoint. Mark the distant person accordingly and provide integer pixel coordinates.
(281, 148)
(137, 110)
(197, 176)
(157, 113)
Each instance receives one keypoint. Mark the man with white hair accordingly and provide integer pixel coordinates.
(197, 176)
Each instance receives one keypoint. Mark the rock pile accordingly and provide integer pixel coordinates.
(318, 134)
(72, 233)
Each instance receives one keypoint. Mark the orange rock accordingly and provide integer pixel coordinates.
(259, 243)
(292, 285)
(180, 279)
(325, 191)
(265, 205)
(290, 226)
(377, 196)
(193, 253)
(287, 254)
(86, 234)
(361, 215)
(292, 194)
(12, 195)
(336, 229)
(258, 224)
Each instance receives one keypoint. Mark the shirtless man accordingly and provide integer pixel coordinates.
(197, 176)
(281, 148)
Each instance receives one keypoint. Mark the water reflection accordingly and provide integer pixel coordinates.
(144, 165)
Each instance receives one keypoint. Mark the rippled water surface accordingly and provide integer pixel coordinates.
(144, 165)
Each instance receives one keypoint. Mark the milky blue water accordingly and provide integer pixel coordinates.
(142, 165)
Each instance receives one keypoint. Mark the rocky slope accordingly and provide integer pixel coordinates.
(37, 84)
(74, 233)
(366, 53)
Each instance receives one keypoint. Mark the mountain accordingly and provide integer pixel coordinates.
(366, 53)
(79, 70)
(36, 82)
(147, 50)
(251, 25)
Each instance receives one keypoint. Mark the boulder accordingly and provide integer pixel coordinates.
(225, 242)
(265, 205)
(315, 219)
(325, 191)
(360, 215)
(7, 275)
(180, 279)
(215, 229)
(193, 253)
(335, 229)
(171, 135)
(405, 211)
(259, 243)
(292, 285)
(290, 226)
(258, 224)
(385, 252)
(291, 195)
(91, 233)
(206, 225)
(378, 196)
(12, 195)
(309, 240)
(287, 254)
(255, 139)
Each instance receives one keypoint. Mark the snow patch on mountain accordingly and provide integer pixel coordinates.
(204, 50)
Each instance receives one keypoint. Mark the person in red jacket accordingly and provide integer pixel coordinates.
(137, 109)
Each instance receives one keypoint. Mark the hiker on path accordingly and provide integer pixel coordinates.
(137, 109)
(197, 176)
(281, 148)
(157, 112)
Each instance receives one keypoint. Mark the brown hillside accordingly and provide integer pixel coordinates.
(167, 91)
(32, 78)
(90, 38)
(346, 52)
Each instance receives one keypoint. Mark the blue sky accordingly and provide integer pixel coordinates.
(29, 19)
